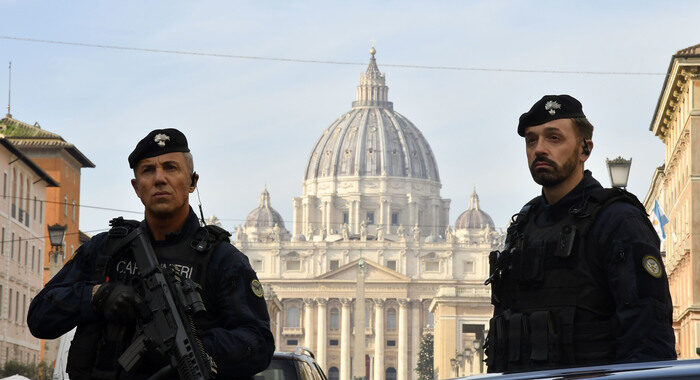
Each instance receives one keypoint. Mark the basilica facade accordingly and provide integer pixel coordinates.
(370, 262)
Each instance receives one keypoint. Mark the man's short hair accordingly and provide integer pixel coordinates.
(583, 127)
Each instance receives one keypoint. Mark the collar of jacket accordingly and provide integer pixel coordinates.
(547, 214)
(188, 229)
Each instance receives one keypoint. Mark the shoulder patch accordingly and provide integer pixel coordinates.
(652, 266)
(257, 288)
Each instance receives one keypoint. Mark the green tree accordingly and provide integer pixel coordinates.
(29, 370)
(425, 358)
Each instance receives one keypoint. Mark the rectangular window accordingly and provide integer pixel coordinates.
(38, 261)
(73, 210)
(293, 265)
(370, 217)
(16, 306)
(34, 211)
(12, 246)
(2, 248)
(391, 343)
(24, 308)
(391, 264)
(394, 218)
(346, 218)
(41, 211)
(258, 265)
(9, 305)
(33, 254)
(292, 342)
(468, 267)
(432, 266)
(26, 251)
(19, 250)
(334, 264)
(333, 342)
(4, 185)
(65, 206)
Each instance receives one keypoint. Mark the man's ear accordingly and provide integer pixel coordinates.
(193, 181)
(135, 186)
(586, 149)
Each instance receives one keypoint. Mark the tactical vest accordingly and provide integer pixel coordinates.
(96, 347)
(552, 310)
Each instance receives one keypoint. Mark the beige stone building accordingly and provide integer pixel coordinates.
(676, 187)
(22, 231)
(371, 262)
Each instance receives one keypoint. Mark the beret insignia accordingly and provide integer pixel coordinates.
(550, 107)
(652, 266)
(161, 138)
(257, 288)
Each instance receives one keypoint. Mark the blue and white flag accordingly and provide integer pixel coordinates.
(659, 220)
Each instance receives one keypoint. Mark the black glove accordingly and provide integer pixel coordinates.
(116, 302)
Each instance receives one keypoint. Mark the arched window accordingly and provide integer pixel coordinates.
(431, 320)
(391, 319)
(333, 373)
(292, 317)
(335, 319)
(390, 373)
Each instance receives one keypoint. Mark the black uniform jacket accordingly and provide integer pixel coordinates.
(619, 240)
(241, 342)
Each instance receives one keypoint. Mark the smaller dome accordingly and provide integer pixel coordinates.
(474, 217)
(264, 215)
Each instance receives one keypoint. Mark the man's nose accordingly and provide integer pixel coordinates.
(540, 148)
(160, 175)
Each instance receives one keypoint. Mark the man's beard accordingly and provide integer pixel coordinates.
(557, 174)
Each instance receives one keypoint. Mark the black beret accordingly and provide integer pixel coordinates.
(550, 107)
(157, 142)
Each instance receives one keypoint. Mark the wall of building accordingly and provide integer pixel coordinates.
(22, 252)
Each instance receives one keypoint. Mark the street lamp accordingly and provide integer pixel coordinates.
(619, 170)
(56, 234)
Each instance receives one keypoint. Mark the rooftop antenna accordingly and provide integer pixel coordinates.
(9, 89)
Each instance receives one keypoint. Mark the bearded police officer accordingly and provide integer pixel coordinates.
(580, 280)
(93, 290)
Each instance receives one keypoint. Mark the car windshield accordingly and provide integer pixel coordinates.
(278, 370)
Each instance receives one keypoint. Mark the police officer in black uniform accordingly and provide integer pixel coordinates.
(93, 290)
(580, 280)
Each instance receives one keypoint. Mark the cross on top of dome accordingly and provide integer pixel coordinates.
(473, 200)
(372, 91)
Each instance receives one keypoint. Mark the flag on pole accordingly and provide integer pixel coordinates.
(659, 220)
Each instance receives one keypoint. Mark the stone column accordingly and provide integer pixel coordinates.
(345, 339)
(322, 341)
(309, 323)
(329, 213)
(402, 371)
(379, 338)
(278, 328)
(415, 336)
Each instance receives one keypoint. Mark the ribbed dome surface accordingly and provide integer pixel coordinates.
(264, 215)
(474, 217)
(372, 139)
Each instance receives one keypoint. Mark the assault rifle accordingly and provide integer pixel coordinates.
(164, 317)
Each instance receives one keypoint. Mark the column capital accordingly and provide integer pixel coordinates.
(379, 302)
(346, 302)
(321, 301)
(403, 302)
(309, 302)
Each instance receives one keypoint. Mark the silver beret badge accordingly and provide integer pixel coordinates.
(161, 138)
(551, 106)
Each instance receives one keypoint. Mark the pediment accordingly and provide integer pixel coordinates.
(375, 273)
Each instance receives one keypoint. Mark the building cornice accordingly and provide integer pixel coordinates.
(680, 70)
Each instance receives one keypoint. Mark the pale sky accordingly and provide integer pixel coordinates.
(252, 123)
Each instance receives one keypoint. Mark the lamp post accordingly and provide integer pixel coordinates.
(619, 170)
(56, 234)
